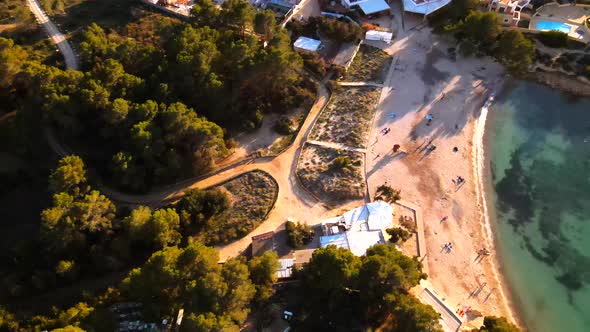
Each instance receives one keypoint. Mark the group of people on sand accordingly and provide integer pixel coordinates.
(385, 131)
(483, 252)
(459, 181)
(448, 247)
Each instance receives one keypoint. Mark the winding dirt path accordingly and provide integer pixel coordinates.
(292, 201)
(57, 37)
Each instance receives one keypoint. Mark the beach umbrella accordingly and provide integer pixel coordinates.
(429, 117)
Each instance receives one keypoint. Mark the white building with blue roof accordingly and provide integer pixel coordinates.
(358, 229)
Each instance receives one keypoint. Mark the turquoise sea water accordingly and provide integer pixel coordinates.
(539, 151)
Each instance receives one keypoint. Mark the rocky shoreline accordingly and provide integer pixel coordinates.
(563, 82)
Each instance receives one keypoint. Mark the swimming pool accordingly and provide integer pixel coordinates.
(552, 25)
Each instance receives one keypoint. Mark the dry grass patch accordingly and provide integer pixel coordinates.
(347, 117)
(369, 65)
(335, 176)
(252, 196)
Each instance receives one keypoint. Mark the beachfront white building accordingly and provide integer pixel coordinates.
(509, 10)
(358, 229)
(368, 6)
(424, 7)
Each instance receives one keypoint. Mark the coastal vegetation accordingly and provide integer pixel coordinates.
(298, 234)
(481, 33)
(398, 234)
(340, 291)
(483, 30)
(497, 324)
(347, 117)
(340, 31)
(387, 193)
(251, 196)
(137, 95)
(334, 175)
(87, 241)
(369, 65)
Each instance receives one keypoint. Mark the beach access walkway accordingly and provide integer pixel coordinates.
(449, 320)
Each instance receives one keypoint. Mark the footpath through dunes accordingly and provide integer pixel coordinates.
(292, 201)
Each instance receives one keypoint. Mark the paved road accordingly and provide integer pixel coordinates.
(58, 39)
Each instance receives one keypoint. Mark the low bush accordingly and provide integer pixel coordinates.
(315, 64)
(553, 38)
(284, 125)
(398, 234)
(298, 234)
(341, 163)
(408, 223)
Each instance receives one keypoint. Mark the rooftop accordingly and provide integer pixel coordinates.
(424, 6)
(307, 44)
(262, 243)
(358, 229)
(373, 6)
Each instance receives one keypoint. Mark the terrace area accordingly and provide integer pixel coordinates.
(567, 19)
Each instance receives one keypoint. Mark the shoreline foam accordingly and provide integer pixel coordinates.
(479, 160)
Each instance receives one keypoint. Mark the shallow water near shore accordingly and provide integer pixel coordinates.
(539, 154)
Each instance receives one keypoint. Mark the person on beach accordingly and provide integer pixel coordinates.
(396, 148)
(444, 219)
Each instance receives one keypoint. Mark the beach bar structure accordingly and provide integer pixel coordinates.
(358, 229)
(305, 44)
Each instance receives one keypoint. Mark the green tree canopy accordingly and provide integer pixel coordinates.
(69, 174)
(411, 315)
(298, 234)
(341, 290)
(483, 28)
(12, 57)
(71, 220)
(205, 13)
(515, 51)
(265, 23)
(153, 230)
(263, 274)
(191, 278)
(196, 207)
(497, 324)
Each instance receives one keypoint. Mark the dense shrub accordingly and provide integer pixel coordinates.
(315, 64)
(284, 125)
(553, 38)
(298, 234)
(398, 234)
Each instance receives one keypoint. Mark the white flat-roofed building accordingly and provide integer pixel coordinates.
(358, 229)
(379, 36)
(424, 7)
(368, 6)
(305, 44)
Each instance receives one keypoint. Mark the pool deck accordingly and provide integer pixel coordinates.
(573, 16)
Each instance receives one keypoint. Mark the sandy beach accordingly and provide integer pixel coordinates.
(425, 81)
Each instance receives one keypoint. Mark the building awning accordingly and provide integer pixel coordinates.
(373, 6)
